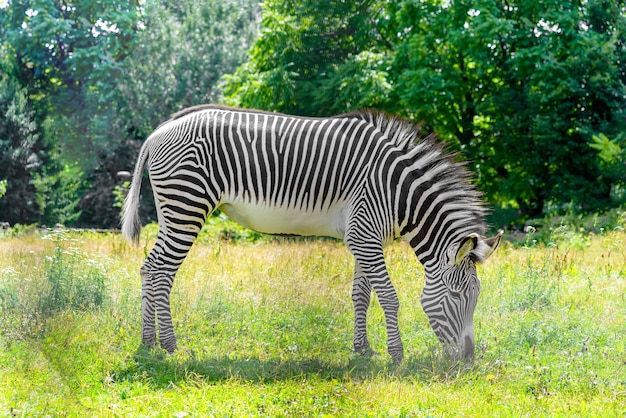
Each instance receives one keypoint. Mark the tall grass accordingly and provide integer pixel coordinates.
(60, 278)
(265, 329)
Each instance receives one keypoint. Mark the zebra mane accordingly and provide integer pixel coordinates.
(186, 111)
(403, 132)
(198, 108)
(454, 175)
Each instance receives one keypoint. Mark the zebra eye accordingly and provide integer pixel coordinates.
(455, 295)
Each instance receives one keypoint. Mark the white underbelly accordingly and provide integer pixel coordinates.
(286, 221)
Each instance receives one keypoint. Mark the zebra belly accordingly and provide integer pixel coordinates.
(278, 220)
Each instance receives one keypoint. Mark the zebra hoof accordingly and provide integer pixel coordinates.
(169, 345)
(149, 342)
(367, 352)
(397, 356)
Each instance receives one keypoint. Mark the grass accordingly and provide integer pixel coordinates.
(265, 329)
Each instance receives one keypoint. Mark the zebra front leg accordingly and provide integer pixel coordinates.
(361, 291)
(369, 256)
(389, 301)
(376, 272)
(148, 329)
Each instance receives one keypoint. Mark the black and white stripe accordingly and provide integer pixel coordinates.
(364, 177)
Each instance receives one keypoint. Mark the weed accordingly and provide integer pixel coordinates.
(66, 279)
(72, 280)
(537, 292)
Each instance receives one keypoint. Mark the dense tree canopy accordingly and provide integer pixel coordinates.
(100, 76)
(315, 58)
(533, 93)
(22, 153)
(520, 87)
(179, 54)
(69, 56)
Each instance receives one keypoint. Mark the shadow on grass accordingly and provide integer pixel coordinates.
(160, 370)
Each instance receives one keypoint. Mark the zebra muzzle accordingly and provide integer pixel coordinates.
(468, 347)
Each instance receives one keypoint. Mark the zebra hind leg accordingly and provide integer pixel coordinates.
(158, 274)
(361, 292)
(155, 306)
(148, 330)
(162, 287)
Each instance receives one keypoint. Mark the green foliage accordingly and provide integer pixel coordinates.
(99, 78)
(22, 151)
(72, 280)
(3, 188)
(221, 227)
(572, 228)
(609, 151)
(68, 55)
(363, 80)
(66, 59)
(181, 51)
(612, 156)
(520, 88)
(119, 194)
(308, 53)
(534, 292)
(58, 195)
(217, 228)
(67, 279)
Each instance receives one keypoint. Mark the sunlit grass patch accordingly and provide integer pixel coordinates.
(265, 329)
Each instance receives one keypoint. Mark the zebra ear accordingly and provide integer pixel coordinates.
(468, 245)
(487, 247)
(492, 245)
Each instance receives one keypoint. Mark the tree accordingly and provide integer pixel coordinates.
(519, 87)
(180, 52)
(101, 75)
(68, 56)
(22, 152)
(309, 53)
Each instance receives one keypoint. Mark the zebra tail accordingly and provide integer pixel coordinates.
(131, 222)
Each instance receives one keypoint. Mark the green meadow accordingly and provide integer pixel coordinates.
(264, 328)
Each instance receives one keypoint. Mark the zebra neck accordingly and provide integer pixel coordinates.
(435, 203)
(437, 214)
(433, 242)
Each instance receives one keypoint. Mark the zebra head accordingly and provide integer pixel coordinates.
(451, 292)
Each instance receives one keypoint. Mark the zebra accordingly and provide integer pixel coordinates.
(364, 177)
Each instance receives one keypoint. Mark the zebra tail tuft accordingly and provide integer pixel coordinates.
(131, 222)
